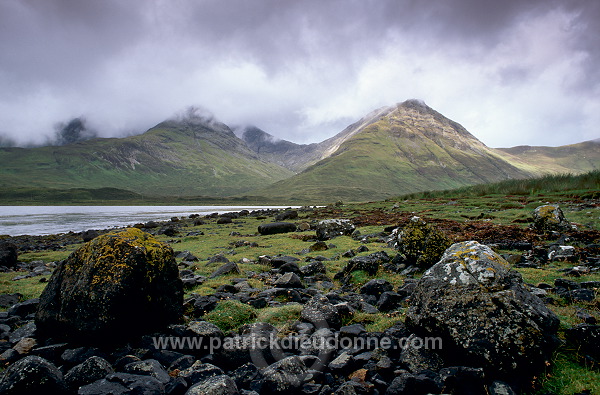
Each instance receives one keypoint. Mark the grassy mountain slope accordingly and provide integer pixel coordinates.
(574, 158)
(179, 158)
(397, 150)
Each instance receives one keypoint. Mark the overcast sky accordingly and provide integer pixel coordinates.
(512, 72)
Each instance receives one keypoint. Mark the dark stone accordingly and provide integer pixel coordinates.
(227, 268)
(8, 254)
(169, 230)
(581, 295)
(389, 301)
(187, 256)
(409, 384)
(313, 268)
(284, 376)
(322, 314)
(369, 263)
(200, 371)
(586, 317)
(288, 280)
(124, 383)
(478, 306)
(291, 267)
(32, 375)
(246, 375)
(89, 235)
(353, 330)
(27, 330)
(280, 260)
(218, 258)
(203, 304)
(463, 380)
(218, 385)
(76, 356)
(276, 227)
(330, 228)
(25, 308)
(416, 358)
(51, 352)
(224, 220)
(586, 338)
(8, 300)
(94, 368)
(500, 388)
(343, 364)
(318, 246)
(118, 285)
(376, 287)
(286, 215)
(148, 367)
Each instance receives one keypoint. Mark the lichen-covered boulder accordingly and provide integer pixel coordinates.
(330, 228)
(550, 217)
(420, 243)
(32, 375)
(483, 313)
(120, 284)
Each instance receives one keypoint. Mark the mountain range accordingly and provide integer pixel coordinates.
(399, 149)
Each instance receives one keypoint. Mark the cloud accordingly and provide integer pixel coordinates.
(512, 72)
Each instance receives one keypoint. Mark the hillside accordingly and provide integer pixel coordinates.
(574, 158)
(176, 158)
(395, 150)
(391, 151)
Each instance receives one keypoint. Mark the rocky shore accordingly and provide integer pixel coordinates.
(122, 315)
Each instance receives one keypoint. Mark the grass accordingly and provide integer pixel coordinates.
(230, 315)
(566, 375)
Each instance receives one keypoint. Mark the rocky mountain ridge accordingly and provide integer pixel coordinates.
(404, 148)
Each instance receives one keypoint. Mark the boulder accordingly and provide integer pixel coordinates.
(124, 383)
(218, 385)
(120, 284)
(284, 376)
(322, 314)
(376, 287)
(483, 313)
(313, 268)
(8, 254)
(32, 375)
(550, 217)
(420, 243)
(276, 227)
(330, 228)
(586, 338)
(369, 263)
(288, 280)
(92, 369)
(228, 268)
(286, 215)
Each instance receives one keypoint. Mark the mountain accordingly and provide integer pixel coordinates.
(192, 156)
(395, 150)
(573, 158)
(292, 156)
(408, 147)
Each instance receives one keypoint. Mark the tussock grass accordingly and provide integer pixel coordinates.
(530, 186)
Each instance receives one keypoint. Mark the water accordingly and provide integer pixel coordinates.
(45, 220)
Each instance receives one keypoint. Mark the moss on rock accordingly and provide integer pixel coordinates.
(119, 284)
